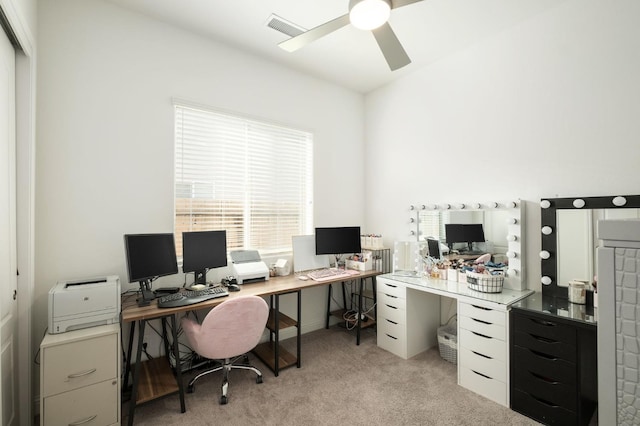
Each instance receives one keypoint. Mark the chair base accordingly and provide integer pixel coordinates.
(226, 367)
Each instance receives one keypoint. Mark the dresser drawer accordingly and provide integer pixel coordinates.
(65, 370)
(81, 405)
(481, 313)
(554, 371)
(396, 344)
(391, 289)
(558, 339)
(484, 385)
(496, 331)
(394, 314)
(489, 346)
(391, 301)
(492, 367)
(541, 410)
(391, 328)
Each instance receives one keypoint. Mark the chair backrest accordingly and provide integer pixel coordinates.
(232, 328)
(484, 258)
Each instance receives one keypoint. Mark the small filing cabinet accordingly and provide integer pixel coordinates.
(482, 352)
(79, 377)
(553, 369)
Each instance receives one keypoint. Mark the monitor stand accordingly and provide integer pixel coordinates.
(147, 294)
(338, 257)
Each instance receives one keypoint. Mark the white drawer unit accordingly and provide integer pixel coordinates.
(482, 355)
(80, 377)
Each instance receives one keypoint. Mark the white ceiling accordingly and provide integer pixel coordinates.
(428, 30)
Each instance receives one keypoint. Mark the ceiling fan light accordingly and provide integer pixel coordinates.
(369, 14)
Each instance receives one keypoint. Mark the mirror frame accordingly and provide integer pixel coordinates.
(516, 274)
(549, 245)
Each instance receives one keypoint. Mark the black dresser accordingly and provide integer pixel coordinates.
(553, 360)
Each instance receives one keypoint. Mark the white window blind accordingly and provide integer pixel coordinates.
(250, 178)
(432, 224)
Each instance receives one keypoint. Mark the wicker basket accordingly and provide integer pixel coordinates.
(448, 343)
(485, 283)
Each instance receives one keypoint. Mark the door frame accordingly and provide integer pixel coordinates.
(25, 81)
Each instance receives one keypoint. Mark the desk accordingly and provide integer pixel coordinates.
(409, 318)
(154, 378)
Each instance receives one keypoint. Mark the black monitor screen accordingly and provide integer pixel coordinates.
(150, 256)
(202, 251)
(338, 240)
(464, 233)
(434, 248)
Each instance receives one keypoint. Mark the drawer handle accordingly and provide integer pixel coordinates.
(394, 338)
(482, 355)
(392, 307)
(483, 375)
(392, 322)
(84, 373)
(541, 355)
(81, 422)
(482, 307)
(482, 335)
(482, 322)
(543, 339)
(391, 285)
(544, 379)
(543, 322)
(542, 401)
(391, 296)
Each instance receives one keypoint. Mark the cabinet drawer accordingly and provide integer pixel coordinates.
(81, 405)
(395, 314)
(391, 289)
(492, 367)
(484, 385)
(391, 328)
(496, 331)
(66, 370)
(391, 301)
(560, 336)
(544, 345)
(532, 368)
(489, 346)
(394, 344)
(541, 410)
(481, 313)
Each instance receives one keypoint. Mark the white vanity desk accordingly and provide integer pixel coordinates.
(408, 316)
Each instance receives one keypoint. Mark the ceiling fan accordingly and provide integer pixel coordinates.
(365, 15)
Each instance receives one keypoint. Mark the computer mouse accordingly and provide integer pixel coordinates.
(233, 287)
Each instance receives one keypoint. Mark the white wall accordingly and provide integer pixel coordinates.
(106, 79)
(547, 108)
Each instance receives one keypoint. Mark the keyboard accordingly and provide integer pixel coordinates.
(191, 297)
(331, 274)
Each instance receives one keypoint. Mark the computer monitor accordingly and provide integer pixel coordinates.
(202, 251)
(464, 233)
(338, 241)
(434, 248)
(149, 256)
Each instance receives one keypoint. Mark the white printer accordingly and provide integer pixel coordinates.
(248, 267)
(84, 303)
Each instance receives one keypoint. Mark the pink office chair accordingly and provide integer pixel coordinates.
(483, 259)
(227, 333)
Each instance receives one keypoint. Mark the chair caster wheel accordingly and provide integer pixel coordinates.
(223, 400)
(190, 389)
(259, 379)
(245, 359)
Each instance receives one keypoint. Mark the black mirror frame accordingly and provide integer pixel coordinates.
(549, 266)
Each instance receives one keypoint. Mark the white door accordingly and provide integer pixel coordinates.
(8, 259)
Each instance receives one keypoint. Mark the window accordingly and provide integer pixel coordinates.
(250, 178)
(432, 224)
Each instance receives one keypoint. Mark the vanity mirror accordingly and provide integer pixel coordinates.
(502, 224)
(569, 237)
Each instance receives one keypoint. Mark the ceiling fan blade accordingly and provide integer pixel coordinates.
(399, 3)
(391, 48)
(297, 42)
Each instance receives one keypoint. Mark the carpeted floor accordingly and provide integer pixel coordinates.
(339, 383)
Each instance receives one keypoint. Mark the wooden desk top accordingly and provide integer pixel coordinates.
(275, 285)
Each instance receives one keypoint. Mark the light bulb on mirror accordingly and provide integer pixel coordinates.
(446, 206)
(545, 280)
(512, 254)
(619, 201)
(512, 238)
(493, 205)
(412, 207)
(461, 206)
(578, 203)
(512, 272)
(512, 221)
(547, 230)
(544, 254)
(545, 204)
(476, 206)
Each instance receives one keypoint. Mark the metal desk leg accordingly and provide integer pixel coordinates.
(300, 326)
(176, 354)
(359, 319)
(276, 318)
(136, 373)
(328, 307)
(127, 368)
